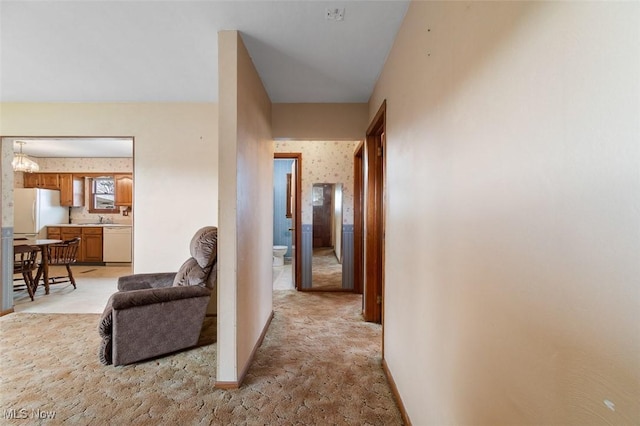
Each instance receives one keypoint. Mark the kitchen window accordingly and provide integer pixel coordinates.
(102, 195)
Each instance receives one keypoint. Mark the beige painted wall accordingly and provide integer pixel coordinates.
(512, 236)
(175, 157)
(246, 208)
(319, 121)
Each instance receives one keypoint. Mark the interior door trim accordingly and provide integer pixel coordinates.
(358, 220)
(297, 156)
(374, 218)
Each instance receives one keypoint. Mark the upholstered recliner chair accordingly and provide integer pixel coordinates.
(155, 314)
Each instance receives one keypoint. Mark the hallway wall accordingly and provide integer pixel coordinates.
(246, 211)
(512, 232)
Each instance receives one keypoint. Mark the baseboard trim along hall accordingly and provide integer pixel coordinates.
(7, 312)
(396, 394)
(236, 385)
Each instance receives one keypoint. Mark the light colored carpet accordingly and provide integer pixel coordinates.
(326, 272)
(319, 364)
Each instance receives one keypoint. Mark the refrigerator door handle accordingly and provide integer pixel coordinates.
(33, 213)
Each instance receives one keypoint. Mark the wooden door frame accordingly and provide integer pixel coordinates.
(358, 220)
(297, 156)
(374, 217)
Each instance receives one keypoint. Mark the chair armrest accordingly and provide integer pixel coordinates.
(130, 299)
(145, 281)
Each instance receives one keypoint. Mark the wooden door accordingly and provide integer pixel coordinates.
(374, 219)
(322, 215)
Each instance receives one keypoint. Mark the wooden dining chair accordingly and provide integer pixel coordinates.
(63, 254)
(24, 264)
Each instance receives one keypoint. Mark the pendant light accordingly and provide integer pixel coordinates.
(22, 163)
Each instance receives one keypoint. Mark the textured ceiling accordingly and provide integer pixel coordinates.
(159, 51)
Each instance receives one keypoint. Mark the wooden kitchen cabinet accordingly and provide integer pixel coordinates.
(32, 180)
(42, 180)
(92, 244)
(90, 249)
(124, 189)
(71, 190)
(49, 181)
(69, 232)
(54, 233)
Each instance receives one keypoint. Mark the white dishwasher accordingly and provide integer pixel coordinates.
(116, 244)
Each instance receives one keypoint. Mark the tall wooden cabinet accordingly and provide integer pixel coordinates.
(124, 189)
(71, 190)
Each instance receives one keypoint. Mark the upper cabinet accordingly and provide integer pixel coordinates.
(41, 180)
(124, 190)
(71, 187)
(71, 190)
(32, 180)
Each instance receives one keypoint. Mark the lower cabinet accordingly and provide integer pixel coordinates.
(91, 244)
(90, 249)
(54, 233)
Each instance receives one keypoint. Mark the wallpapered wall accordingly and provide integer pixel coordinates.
(76, 165)
(324, 162)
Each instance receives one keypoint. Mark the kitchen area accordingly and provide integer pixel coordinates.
(82, 188)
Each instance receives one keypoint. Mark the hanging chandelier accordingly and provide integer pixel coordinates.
(22, 163)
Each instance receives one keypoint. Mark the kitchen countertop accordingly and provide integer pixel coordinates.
(97, 225)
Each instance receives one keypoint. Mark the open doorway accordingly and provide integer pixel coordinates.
(325, 162)
(90, 180)
(286, 221)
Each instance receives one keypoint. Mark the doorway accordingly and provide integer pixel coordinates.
(287, 218)
(67, 165)
(374, 233)
(325, 162)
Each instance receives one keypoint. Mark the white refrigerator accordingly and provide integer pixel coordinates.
(34, 209)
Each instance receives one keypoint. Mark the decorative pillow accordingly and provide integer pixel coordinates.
(190, 273)
(204, 246)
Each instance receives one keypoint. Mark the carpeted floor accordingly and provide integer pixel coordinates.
(326, 272)
(319, 364)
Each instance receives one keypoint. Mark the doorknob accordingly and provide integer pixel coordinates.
(292, 229)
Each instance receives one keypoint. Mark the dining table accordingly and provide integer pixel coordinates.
(43, 269)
